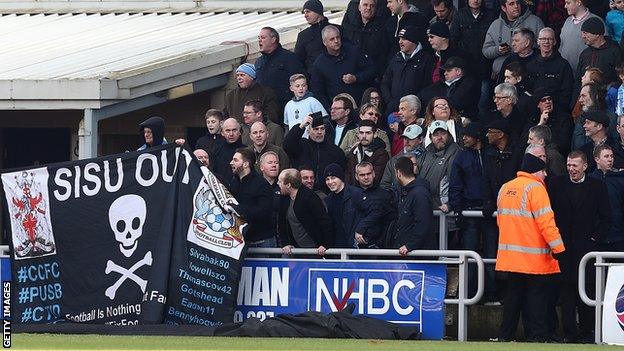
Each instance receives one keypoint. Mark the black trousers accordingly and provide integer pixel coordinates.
(571, 303)
(527, 294)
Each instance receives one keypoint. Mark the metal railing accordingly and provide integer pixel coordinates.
(597, 302)
(443, 232)
(462, 258)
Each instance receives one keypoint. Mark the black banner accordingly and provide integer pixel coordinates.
(134, 238)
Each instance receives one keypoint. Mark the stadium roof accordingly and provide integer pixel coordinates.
(93, 60)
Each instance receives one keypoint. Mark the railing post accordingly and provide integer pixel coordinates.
(443, 232)
(462, 320)
(598, 298)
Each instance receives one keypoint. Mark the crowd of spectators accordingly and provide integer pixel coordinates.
(353, 139)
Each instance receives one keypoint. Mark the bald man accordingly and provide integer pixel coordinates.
(202, 156)
(259, 143)
(225, 149)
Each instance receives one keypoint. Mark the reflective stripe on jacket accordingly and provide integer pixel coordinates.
(528, 233)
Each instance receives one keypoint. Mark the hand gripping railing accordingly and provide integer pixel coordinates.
(600, 265)
(443, 237)
(446, 258)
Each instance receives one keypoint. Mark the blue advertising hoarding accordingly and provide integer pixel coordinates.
(399, 292)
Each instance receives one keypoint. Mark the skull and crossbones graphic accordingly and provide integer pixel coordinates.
(126, 217)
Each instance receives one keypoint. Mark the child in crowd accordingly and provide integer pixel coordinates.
(615, 21)
(302, 104)
(214, 118)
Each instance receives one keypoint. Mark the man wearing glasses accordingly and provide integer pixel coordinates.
(550, 70)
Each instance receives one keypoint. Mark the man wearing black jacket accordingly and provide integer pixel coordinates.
(583, 216)
(403, 15)
(409, 70)
(303, 220)
(276, 65)
(255, 199)
(375, 208)
(309, 43)
(414, 222)
(226, 147)
(363, 26)
(316, 152)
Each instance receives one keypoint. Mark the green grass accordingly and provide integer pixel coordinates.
(102, 342)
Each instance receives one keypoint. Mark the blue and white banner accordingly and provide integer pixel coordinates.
(399, 292)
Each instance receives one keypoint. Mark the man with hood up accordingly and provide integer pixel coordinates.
(152, 131)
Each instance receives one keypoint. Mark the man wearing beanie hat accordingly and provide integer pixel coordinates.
(248, 89)
(404, 14)
(571, 42)
(583, 215)
(466, 193)
(408, 71)
(550, 113)
(529, 246)
(497, 45)
(364, 25)
(439, 37)
(309, 43)
(601, 52)
(340, 206)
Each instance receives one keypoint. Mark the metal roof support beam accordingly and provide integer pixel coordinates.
(88, 129)
(88, 134)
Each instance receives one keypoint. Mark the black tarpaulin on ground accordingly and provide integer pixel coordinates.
(304, 325)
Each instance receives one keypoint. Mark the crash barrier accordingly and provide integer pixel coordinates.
(598, 302)
(444, 257)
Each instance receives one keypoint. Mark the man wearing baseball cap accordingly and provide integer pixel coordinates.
(600, 53)
(439, 37)
(436, 162)
(596, 127)
(412, 147)
(409, 70)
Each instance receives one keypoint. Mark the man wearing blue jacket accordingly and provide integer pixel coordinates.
(466, 193)
(342, 68)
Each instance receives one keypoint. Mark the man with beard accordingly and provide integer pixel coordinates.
(369, 149)
(255, 199)
(412, 146)
(435, 165)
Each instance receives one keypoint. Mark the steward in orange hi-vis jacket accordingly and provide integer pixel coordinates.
(529, 245)
(528, 233)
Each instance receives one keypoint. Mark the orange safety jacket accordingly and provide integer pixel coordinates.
(528, 233)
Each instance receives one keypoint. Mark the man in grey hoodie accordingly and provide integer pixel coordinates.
(498, 37)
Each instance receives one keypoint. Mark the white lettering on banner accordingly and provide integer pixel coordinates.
(87, 179)
(257, 288)
(366, 294)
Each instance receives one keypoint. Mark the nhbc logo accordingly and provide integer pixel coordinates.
(392, 295)
(619, 307)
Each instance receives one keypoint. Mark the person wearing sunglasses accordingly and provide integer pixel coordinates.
(367, 112)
